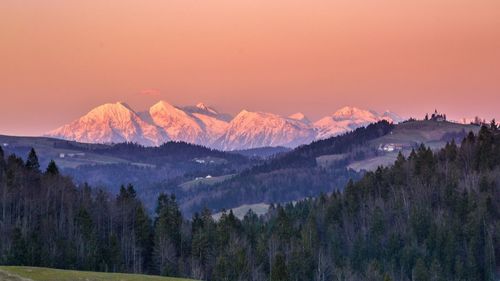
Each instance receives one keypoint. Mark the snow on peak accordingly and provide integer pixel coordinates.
(203, 107)
(162, 105)
(349, 118)
(391, 117)
(200, 124)
(111, 123)
(258, 129)
(178, 124)
(243, 112)
(350, 112)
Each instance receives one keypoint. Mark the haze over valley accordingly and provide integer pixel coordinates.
(343, 140)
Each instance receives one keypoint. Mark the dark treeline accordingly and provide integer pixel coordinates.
(290, 176)
(305, 155)
(431, 216)
(149, 166)
(170, 152)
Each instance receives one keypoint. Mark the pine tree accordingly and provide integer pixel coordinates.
(420, 271)
(143, 234)
(167, 235)
(32, 161)
(2, 158)
(52, 169)
(493, 125)
(18, 251)
(279, 270)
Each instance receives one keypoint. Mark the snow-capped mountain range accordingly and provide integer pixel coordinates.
(200, 124)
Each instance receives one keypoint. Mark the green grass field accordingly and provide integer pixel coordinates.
(22, 273)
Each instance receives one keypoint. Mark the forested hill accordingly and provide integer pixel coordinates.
(111, 165)
(170, 152)
(430, 216)
(305, 155)
(290, 176)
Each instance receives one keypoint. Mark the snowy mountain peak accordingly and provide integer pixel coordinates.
(243, 112)
(350, 112)
(203, 107)
(162, 105)
(349, 118)
(200, 124)
(178, 124)
(109, 107)
(124, 104)
(391, 117)
(111, 123)
(258, 129)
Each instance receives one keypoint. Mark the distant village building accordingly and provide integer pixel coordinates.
(436, 116)
(390, 147)
(5, 144)
(78, 154)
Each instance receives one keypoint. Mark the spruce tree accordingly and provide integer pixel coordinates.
(52, 169)
(420, 271)
(32, 161)
(493, 125)
(279, 270)
(18, 251)
(2, 159)
(167, 235)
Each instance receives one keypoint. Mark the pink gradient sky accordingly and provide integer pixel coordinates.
(58, 59)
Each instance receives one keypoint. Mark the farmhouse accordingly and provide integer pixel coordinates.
(390, 147)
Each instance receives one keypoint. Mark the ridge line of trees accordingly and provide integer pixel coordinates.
(430, 216)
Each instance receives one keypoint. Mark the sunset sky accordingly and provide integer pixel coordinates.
(59, 59)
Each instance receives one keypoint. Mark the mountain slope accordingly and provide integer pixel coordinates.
(201, 124)
(178, 124)
(349, 118)
(258, 129)
(111, 123)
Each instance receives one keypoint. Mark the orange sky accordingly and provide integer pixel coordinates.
(58, 59)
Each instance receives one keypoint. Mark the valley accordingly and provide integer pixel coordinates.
(202, 177)
(304, 205)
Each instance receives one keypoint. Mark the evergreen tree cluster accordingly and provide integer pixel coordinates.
(430, 216)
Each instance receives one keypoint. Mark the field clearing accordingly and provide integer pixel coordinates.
(47, 148)
(22, 273)
(205, 181)
(410, 135)
(328, 160)
(240, 212)
(423, 132)
(372, 164)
